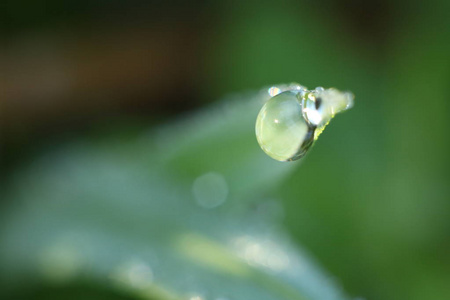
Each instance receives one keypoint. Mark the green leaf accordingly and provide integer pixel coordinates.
(123, 216)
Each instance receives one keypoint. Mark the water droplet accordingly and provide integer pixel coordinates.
(261, 252)
(281, 130)
(134, 273)
(290, 121)
(210, 190)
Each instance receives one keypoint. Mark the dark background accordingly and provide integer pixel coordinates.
(71, 69)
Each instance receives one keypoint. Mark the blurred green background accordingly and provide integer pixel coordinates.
(99, 118)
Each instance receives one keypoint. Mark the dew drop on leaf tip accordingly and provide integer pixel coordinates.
(290, 122)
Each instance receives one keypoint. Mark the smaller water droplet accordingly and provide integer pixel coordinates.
(210, 190)
(261, 252)
(134, 273)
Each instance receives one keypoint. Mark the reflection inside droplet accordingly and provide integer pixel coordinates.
(273, 91)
